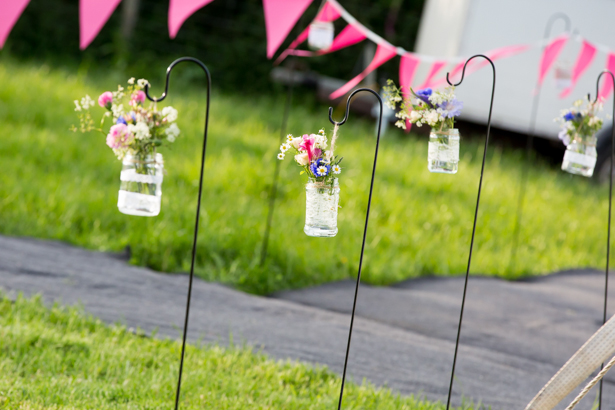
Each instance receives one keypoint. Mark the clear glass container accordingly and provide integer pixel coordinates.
(140, 185)
(321, 204)
(443, 152)
(580, 158)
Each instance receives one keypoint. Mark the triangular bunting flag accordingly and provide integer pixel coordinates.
(407, 68)
(586, 56)
(9, 14)
(607, 87)
(384, 53)
(549, 55)
(180, 10)
(280, 18)
(93, 14)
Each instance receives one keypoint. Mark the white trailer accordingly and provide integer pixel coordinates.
(451, 28)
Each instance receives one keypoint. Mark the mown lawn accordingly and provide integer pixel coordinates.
(59, 185)
(60, 359)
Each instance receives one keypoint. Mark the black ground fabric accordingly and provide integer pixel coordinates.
(516, 335)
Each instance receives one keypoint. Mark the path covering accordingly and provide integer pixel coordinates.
(515, 337)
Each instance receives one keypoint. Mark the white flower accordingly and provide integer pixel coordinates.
(328, 155)
(320, 141)
(296, 142)
(302, 159)
(77, 106)
(284, 147)
(117, 110)
(172, 132)
(131, 80)
(322, 131)
(337, 169)
(141, 82)
(321, 171)
(87, 102)
(432, 117)
(169, 113)
(289, 138)
(140, 130)
(415, 116)
(400, 124)
(280, 156)
(593, 121)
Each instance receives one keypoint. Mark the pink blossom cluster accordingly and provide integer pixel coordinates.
(119, 137)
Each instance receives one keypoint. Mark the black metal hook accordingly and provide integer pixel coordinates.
(348, 107)
(598, 86)
(198, 206)
(480, 184)
(166, 86)
(369, 202)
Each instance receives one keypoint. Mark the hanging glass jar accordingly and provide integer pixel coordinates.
(580, 157)
(320, 35)
(140, 185)
(443, 151)
(321, 204)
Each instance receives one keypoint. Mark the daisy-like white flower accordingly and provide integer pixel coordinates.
(337, 169)
(280, 156)
(321, 171)
(322, 131)
(141, 82)
(289, 138)
(285, 147)
(131, 80)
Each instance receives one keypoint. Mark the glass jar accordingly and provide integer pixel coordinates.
(443, 152)
(580, 157)
(140, 185)
(321, 203)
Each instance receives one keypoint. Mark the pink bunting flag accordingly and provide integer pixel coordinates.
(93, 14)
(10, 10)
(407, 69)
(180, 10)
(349, 36)
(435, 69)
(549, 55)
(586, 56)
(280, 18)
(384, 53)
(328, 13)
(607, 86)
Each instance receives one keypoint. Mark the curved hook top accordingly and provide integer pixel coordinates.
(348, 105)
(553, 19)
(463, 73)
(166, 86)
(598, 84)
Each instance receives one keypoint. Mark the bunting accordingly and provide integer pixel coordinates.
(180, 10)
(586, 56)
(9, 14)
(280, 18)
(607, 87)
(93, 14)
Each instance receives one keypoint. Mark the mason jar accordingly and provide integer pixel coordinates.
(321, 204)
(443, 151)
(580, 157)
(140, 185)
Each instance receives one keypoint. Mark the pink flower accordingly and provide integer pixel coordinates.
(137, 98)
(119, 136)
(307, 144)
(105, 100)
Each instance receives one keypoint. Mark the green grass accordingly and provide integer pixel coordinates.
(59, 185)
(59, 358)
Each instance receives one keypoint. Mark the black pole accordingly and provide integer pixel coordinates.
(530, 141)
(276, 173)
(480, 184)
(198, 206)
(608, 229)
(369, 202)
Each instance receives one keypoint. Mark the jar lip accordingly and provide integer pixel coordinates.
(452, 132)
(154, 158)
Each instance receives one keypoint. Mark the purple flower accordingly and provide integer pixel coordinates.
(121, 120)
(450, 109)
(569, 116)
(563, 135)
(424, 95)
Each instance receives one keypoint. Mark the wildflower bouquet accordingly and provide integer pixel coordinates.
(580, 123)
(136, 130)
(322, 189)
(579, 127)
(310, 153)
(134, 133)
(437, 109)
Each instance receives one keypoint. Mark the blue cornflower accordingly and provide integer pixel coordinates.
(121, 120)
(319, 168)
(424, 95)
(133, 116)
(450, 109)
(569, 116)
